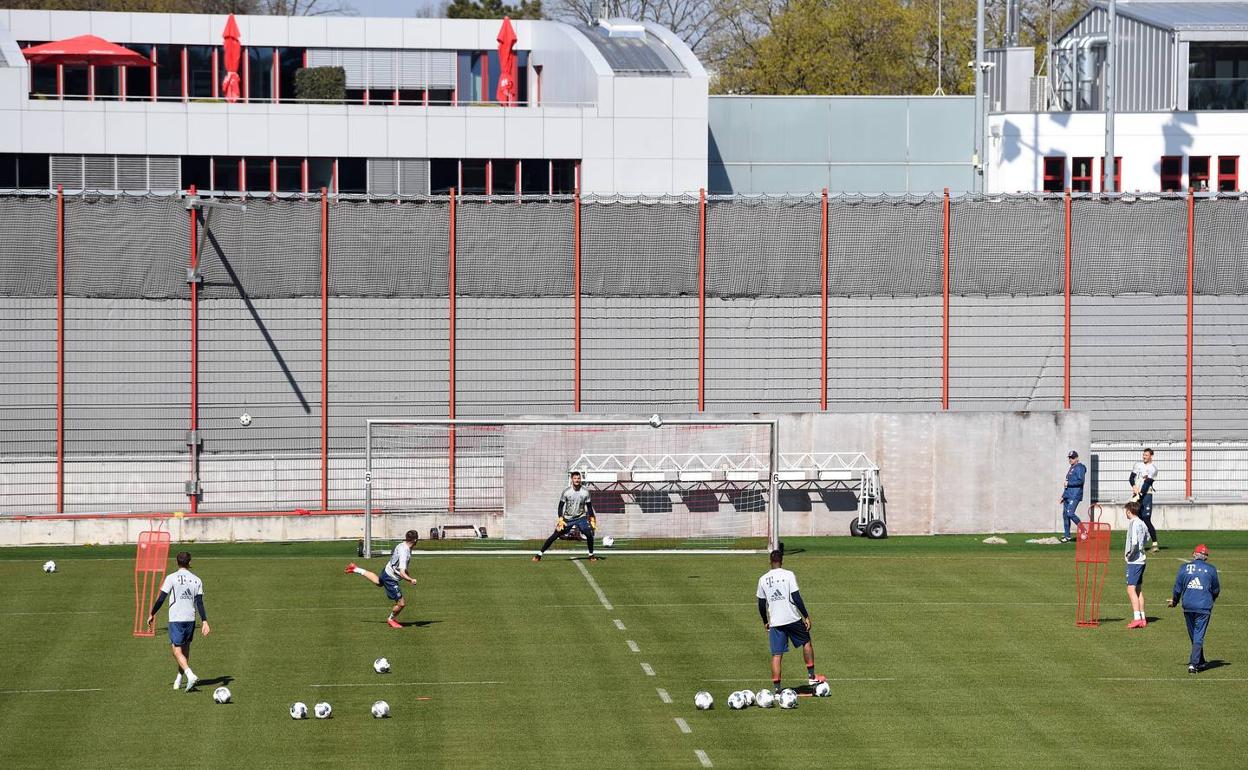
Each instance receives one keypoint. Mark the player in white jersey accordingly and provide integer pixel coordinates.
(1137, 539)
(1143, 477)
(785, 618)
(576, 513)
(185, 592)
(388, 578)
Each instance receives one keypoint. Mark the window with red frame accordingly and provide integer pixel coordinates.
(1198, 172)
(1171, 173)
(1081, 175)
(1228, 173)
(1117, 174)
(1054, 174)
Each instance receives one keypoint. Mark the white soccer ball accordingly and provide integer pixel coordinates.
(608, 541)
(765, 699)
(381, 710)
(823, 690)
(788, 699)
(656, 421)
(736, 701)
(703, 700)
(749, 697)
(221, 695)
(299, 710)
(323, 710)
(381, 666)
(244, 419)
(49, 567)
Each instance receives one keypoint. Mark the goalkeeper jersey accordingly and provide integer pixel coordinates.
(574, 503)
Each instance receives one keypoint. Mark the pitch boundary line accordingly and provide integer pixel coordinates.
(31, 692)
(404, 684)
(683, 725)
(830, 679)
(702, 757)
(602, 597)
(1168, 679)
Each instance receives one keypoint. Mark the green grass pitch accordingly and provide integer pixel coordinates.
(942, 652)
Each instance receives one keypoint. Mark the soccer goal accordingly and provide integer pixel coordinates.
(695, 484)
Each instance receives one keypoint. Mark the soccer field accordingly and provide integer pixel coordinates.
(941, 651)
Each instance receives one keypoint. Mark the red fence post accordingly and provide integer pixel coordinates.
(60, 349)
(193, 493)
(450, 291)
(1191, 334)
(823, 272)
(701, 299)
(576, 302)
(1066, 314)
(324, 349)
(944, 359)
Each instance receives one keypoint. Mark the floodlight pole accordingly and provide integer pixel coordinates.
(1109, 165)
(979, 97)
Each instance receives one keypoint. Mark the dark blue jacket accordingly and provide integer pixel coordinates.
(1074, 482)
(1197, 584)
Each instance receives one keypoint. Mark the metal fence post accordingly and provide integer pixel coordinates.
(451, 323)
(823, 309)
(576, 302)
(1066, 312)
(1191, 297)
(701, 299)
(324, 349)
(193, 486)
(944, 359)
(60, 349)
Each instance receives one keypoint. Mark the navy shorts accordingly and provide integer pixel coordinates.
(1135, 575)
(582, 524)
(391, 586)
(782, 636)
(181, 634)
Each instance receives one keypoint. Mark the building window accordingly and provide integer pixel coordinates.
(1198, 172)
(472, 174)
(1217, 76)
(1171, 173)
(443, 175)
(1228, 173)
(259, 175)
(139, 79)
(259, 74)
(353, 175)
(564, 175)
(1117, 174)
(1054, 174)
(290, 175)
(199, 79)
(503, 177)
(321, 174)
(225, 174)
(197, 172)
(168, 71)
(290, 61)
(33, 171)
(74, 80)
(535, 177)
(1081, 175)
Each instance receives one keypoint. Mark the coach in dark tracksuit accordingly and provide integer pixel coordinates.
(1072, 494)
(1197, 585)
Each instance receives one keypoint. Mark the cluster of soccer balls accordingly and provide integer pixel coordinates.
(742, 699)
(322, 710)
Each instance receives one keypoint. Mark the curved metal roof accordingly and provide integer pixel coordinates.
(1187, 15)
(633, 55)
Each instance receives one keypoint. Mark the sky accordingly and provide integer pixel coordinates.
(389, 7)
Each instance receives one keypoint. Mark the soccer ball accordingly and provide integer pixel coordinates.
(221, 695)
(736, 701)
(656, 421)
(244, 419)
(299, 710)
(765, 699)
(608, 541)
(49, 567)
(381, 710)
(381, 666)
(749, 697)
(703, 700)
(788, 699)
(323, 710)
(822, 690)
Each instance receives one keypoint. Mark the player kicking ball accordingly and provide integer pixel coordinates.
(575, 511)
(785, 618)
(185, 592)
(396, 570)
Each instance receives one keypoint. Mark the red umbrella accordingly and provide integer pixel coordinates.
(85, 50)
(506, 92)
(233, 54)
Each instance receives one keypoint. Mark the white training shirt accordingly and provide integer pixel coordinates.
(1144, 470)
(574, 502)
(778, 587)
(399, 558)
(1137, 537)
(182, 587)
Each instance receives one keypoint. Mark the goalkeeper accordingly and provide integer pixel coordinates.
(576, 511)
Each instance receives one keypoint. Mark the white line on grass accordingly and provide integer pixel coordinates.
(647, 668)
(1168, 679)
(63, 612)
(31, 692)
(683, 725)
(830, 679)
(401, 684)
(594, 585)
(619, 624)
(633, 646)
(703, 758)
(663, 696)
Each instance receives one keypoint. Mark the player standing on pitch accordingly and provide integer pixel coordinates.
(185, 592)
(785, 618)
(575, 510)
(1142, 477)
(396, 569)
(1072, 494)
(1197, 584)
(1137, 538)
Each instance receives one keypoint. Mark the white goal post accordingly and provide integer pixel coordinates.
(657, 484)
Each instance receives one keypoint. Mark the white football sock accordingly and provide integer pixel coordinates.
(177, 681)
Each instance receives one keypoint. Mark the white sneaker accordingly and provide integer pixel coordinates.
(191, 679)
(177, 682)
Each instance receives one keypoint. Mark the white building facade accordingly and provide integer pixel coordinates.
(620, 108)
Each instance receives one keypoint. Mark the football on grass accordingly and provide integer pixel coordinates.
(381, 710)
(221, 695)
(823, 690)
(765, 699)
(323, 710)
(49, 567)
(736, 701)
(788, 699)
(749, 697)
(381, 666)
(299, 710)
(703, 700)
(608, 541)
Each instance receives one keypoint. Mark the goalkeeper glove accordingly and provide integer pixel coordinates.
(593, 523)
(560, 524)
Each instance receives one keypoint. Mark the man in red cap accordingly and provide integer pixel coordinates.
(1197, 586)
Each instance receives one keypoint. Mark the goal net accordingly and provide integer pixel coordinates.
(695, 484)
